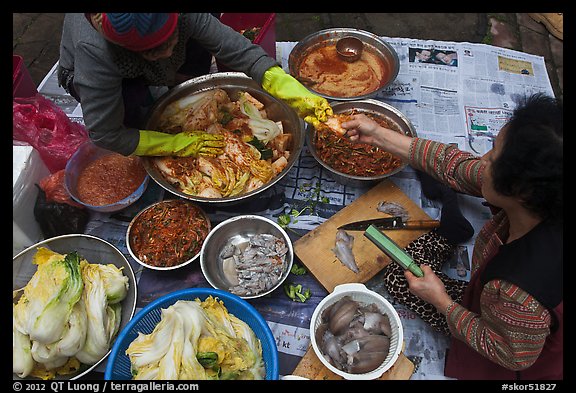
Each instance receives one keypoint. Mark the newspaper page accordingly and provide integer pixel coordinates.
(452, 92)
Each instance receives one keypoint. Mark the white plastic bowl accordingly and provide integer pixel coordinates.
(360, 293)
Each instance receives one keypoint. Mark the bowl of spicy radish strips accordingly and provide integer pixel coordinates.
(168, 234)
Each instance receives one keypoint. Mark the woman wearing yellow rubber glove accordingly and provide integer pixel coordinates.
(312, 108)
(108, 61)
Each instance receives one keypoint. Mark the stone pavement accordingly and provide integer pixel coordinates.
(36, 36)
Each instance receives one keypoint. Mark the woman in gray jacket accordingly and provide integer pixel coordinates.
(108, 60)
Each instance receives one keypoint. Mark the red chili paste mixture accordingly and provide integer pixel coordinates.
(110, 179)
(338, 78)
(169, 233)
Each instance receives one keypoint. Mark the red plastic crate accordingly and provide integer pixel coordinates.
(22, 84)
(266, 37)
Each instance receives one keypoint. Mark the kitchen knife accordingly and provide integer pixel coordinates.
(392, 249)
(390, 223)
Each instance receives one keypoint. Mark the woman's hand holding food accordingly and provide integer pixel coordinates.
(429, 288)
(183, 144)
(311, 107)
(365, 130)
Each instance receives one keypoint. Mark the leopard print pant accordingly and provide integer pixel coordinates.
(433, 250)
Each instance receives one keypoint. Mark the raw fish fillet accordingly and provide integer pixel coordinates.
(343, 250)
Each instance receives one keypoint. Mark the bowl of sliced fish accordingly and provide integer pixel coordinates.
(72, 295)
(356, 333)
(263, 138)
(247, 255)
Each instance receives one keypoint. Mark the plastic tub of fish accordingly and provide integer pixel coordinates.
(350, 350)
(107, 293)
(239, 325)
(247, 255)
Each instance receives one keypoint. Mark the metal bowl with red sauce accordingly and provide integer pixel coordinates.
(314, 60)
(357, 164)
(168, 234)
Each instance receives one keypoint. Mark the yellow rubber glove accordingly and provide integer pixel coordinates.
(183, 144)
(311, 107)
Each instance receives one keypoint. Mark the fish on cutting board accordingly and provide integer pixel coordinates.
(394, 209)
(343, 250)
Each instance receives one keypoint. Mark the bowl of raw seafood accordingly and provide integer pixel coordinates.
(353, 163)
(167, 235)
(263, 138)
(104, 181)
(315, 61)
(356, 333)
(198, 334)
(247, 255)
(72, 295)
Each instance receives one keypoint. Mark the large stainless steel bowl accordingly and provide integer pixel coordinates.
(375, 108)
(328, 37)
(232, 83)
(94, 250)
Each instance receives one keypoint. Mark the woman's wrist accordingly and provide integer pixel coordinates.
(396, 143)
(444, 306)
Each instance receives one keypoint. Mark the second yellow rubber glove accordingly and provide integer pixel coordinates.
(183, 144)
(311, 107)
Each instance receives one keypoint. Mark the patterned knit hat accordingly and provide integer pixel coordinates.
(136, 32)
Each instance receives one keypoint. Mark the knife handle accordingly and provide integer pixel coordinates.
(421, 224)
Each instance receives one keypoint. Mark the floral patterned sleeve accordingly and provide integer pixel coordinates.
(511, 330)
(459, 169)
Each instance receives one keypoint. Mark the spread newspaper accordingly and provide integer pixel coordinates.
(452, 92)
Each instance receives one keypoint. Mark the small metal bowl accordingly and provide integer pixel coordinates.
(165, 203)
(349, 48)
(237, 230)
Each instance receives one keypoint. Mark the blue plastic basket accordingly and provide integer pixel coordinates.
(118, 366)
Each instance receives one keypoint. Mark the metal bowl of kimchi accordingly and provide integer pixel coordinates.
(356, 164)
(167, 235)
(263, 135)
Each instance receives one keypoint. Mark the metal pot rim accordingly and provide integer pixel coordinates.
(332, 34)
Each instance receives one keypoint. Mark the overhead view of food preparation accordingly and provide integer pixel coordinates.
(287, 196)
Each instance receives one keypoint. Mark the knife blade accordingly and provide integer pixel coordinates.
(390, 223)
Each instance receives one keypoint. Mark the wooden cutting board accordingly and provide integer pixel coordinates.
(312, 368)
(315, 248)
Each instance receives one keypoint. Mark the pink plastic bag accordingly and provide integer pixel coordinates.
(42, 124)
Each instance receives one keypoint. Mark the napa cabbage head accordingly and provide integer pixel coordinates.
(22, 361)
(262, 128)
(44, 308)
(115, 282)
(98, 335)
(239, 350)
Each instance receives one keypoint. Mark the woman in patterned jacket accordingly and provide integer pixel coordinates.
(507, 322)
